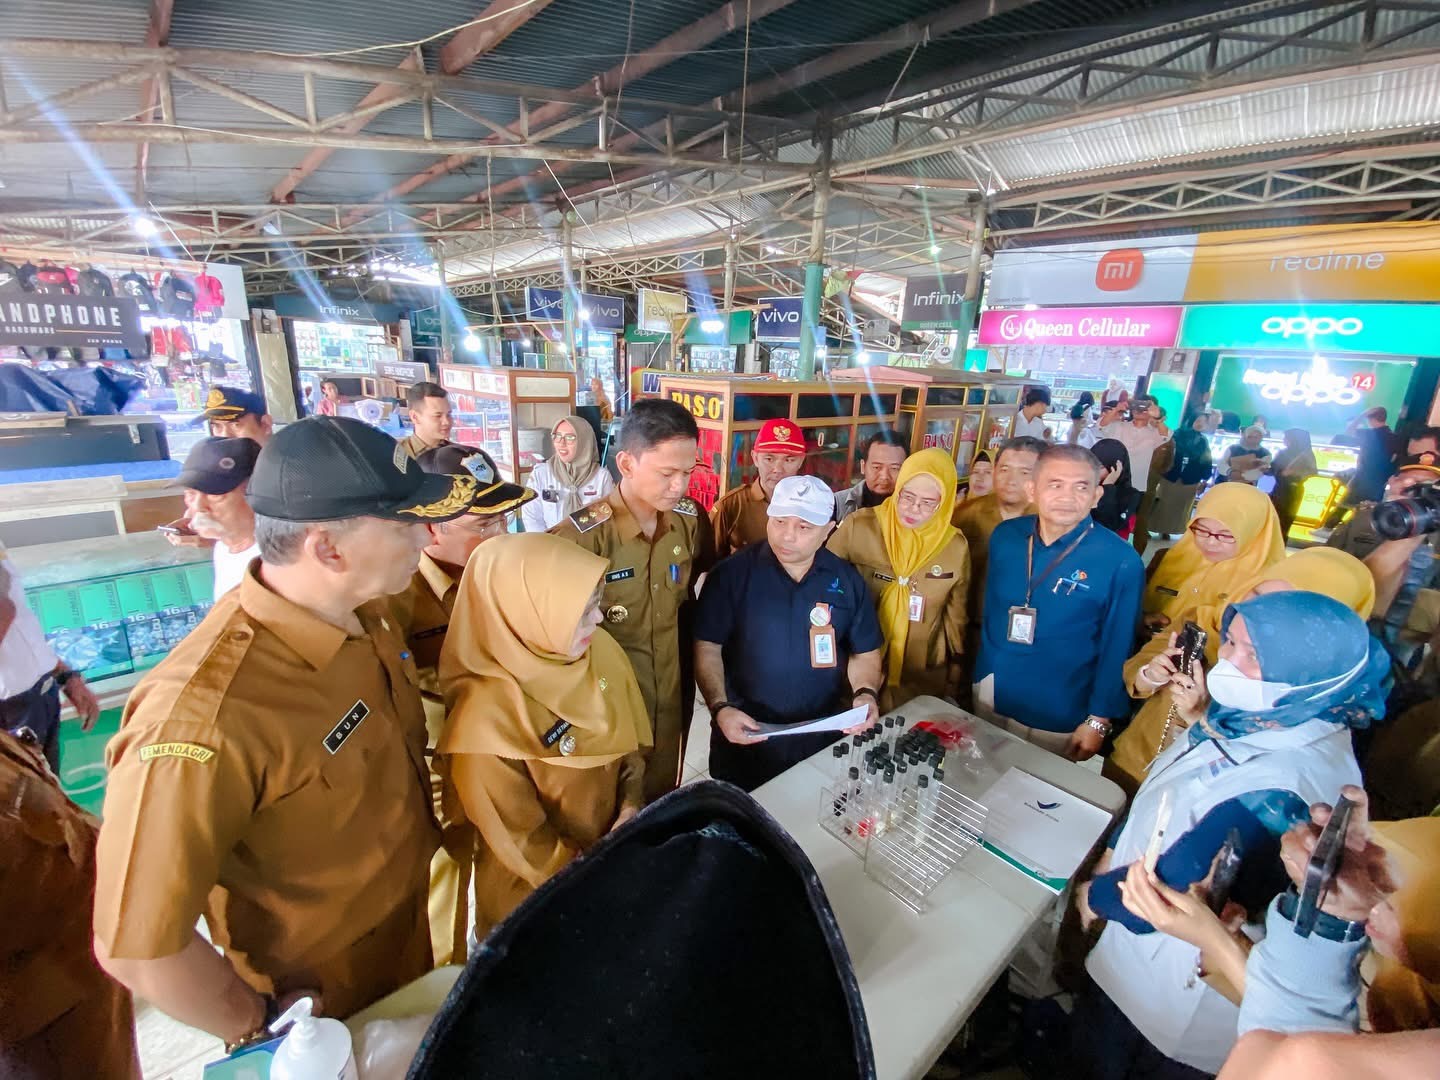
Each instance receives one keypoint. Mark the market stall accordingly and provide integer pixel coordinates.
(836, 418)
(959, 411)
(508, 411)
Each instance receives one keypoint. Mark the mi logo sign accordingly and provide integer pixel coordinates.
(1120, 270)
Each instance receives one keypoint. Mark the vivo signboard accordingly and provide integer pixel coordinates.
(1394, 329)
(1145, 271)
(1147, 327)
(779, 318)
(598, 312)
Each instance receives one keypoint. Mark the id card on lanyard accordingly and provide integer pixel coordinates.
(822, 637)
(1020, 629)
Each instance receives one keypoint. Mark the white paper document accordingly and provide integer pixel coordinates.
(1039, 829)
(839, 722)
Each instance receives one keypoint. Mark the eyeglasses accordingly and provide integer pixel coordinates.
(923, 506)
(564, 438)
(1203, 533)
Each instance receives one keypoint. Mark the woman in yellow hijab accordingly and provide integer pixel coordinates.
(543, 739)
(1234, 535)
(1328, 571)
(917, 566)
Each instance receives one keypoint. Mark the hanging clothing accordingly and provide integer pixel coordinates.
(1320, 570)
(540, 749)
(910, 550)
(1186, 580)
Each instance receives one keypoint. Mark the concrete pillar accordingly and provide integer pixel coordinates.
(568, 289)
(810, 328)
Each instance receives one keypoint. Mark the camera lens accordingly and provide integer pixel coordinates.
(1418, 515)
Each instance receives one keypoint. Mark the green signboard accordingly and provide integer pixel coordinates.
(702, 330)
(1318, 394)
(1394, 329)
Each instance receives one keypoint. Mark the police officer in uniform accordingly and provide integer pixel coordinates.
(270, 772)
(739, 516)
(238, 414)
(423, 611)
(658, 542)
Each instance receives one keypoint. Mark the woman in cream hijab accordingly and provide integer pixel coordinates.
(543, 742)
(1328, 571)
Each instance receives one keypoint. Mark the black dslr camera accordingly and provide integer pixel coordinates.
(1418, 514)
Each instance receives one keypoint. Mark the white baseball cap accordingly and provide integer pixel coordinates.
(805, 497)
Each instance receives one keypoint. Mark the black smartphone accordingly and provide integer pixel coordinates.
(1191, 643)
(1324, 862)
(1227, 868)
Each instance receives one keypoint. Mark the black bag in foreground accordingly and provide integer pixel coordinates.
(696, 941)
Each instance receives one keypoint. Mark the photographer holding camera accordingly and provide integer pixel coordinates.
(1396, 539)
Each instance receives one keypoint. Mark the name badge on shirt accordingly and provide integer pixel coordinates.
(917, 607)
(620, 575)
(346, 727)
(822, 647)
(1021, 627)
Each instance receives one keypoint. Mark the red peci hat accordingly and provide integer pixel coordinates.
(780, 437)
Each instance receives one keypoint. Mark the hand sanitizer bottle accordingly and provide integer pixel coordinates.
(317, 1048)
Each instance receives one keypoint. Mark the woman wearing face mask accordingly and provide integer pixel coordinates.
(982, 476)
(1233, 536)
(1296, 672)
(917, 566)
(542, 747)
(1326, 571)
(569, 479)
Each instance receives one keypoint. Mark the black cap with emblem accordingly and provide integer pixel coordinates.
(493, 494)
(325, 468)
(217, 466)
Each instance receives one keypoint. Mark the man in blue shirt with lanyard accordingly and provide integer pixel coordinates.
(1062, 601)
(786, 633)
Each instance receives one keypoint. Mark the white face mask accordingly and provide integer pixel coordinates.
(1230, 687)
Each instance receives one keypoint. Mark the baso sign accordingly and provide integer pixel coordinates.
(1386, 329)
(779, 318)
(1147, 327)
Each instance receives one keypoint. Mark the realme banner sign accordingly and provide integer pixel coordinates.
(657, 309)
(1399, 261)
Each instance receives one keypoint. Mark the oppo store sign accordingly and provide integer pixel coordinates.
(1309, 388)
(1394, 329)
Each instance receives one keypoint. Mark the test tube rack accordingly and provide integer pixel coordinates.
(915, 847)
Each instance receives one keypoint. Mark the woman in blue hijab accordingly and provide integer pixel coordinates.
(1269, 736)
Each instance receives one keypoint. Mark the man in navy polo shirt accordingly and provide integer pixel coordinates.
(786, 633)
(1062, 601)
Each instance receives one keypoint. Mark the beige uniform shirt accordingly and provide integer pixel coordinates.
(270, 774)
(938, 639)
(976, 520)
(647, 586)
(415, 446)
(740, 518)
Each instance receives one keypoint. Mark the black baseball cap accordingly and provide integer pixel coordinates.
(493, 494)
(230, 403)
(218, 466)
(325, 468)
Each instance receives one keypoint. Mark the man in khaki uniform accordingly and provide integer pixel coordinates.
(658, 543)
(429, 408)
(423, 612)
(739, 518)
(270, 773)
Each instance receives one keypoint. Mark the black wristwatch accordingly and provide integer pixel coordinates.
(715, 709)
(62, 678)
(865, 690)
(1327, 927)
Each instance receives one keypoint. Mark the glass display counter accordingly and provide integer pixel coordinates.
(959, 411)
(348, 348)
(112, 608)
(1321, 493)
(835, 417)
(508, 411)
